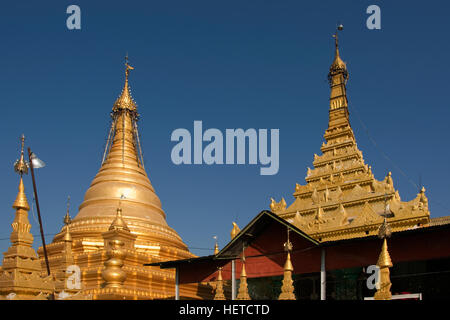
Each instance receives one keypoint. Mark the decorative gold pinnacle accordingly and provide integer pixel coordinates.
(216, 246)
(341, 190)
(21, 268)
(287, 288)
(243, 287)
(149, 238)
(113, 274)
(67, 237)
(118, 223)
(125, 100)
(235, 230)
(219, 294)
(21, 202)
(384, 263)
(21, 166)
(338, 77)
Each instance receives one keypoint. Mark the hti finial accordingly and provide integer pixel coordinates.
(127, 67)
(384, 230)
(21, 166)
(288, 244)
(67, 219)
(340, 27)
(338, 68)
(216, 246)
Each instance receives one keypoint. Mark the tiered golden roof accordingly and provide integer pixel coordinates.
(341, 198)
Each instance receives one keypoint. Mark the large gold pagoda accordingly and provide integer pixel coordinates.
(122, 185)
(341, 198)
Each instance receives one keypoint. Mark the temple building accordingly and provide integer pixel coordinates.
(335, 224)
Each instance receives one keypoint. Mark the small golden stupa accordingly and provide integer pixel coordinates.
(341, 198)
(21, 275)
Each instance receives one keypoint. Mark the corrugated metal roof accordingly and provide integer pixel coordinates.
(439, 221)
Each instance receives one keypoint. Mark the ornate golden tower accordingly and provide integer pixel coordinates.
(123, 179)
(384, 263)
(243, 288)
(341, 198)
(219, 293)
(287, 288)
(21, 275)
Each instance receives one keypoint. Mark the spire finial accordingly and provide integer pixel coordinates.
(21, 166)
(216, 246)
(243, 288)
(384, 263)
(125, 101)
(219, 294)
(338, 76)
(235, 230)
(67, 219)
(118, 223)
(127, 68)
(340, 27)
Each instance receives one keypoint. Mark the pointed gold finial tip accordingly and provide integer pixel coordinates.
(384, 259)
(21, 201)
(288, 265)
(216, 246)
(338, 67)
(67, 219)
(235, 230)
(423, 189)
(21, 166)
(125, 100)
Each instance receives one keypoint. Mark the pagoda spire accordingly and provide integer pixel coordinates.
(216, 246)
(125, 100)
(235, 230)
(337, 77)
(243, 288)
(123, 137)
(384, 263)
(219, 294)
(287, 288)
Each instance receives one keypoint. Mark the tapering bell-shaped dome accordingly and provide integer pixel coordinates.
(122, 178)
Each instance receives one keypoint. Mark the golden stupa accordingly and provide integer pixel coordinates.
(122, 185)
(341, 198)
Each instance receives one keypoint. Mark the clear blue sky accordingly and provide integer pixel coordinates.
(231, 64)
